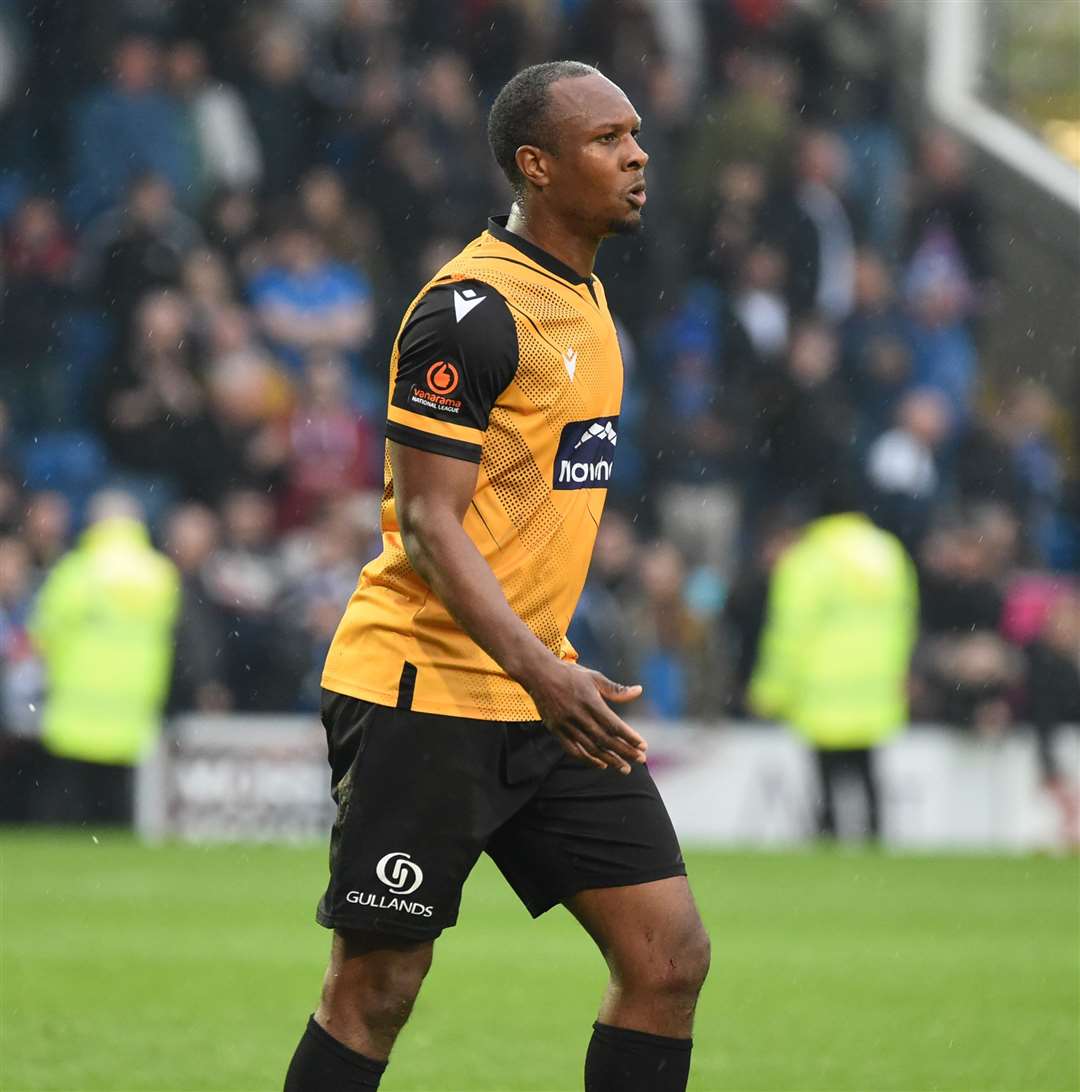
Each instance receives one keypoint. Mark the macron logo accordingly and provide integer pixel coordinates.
(465, 301)
(569, 358)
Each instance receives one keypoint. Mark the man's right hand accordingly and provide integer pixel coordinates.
(573, 704)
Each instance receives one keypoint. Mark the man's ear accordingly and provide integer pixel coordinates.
(532, 162)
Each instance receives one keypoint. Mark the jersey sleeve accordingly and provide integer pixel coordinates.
(457, 353)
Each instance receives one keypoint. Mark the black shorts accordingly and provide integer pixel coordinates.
(421, 796)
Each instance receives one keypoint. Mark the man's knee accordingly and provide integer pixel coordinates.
(672, 962)
(685, 961)
(372, 981)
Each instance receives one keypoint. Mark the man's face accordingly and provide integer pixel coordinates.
(597, 177)
(299, 251)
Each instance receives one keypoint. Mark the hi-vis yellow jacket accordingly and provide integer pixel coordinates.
(841, 623)
(104, 625)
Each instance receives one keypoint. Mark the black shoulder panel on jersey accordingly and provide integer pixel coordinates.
(457, 353)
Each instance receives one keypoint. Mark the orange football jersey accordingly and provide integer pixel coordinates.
(509, 359)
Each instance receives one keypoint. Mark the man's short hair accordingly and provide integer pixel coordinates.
(108, 504)
(519, 114)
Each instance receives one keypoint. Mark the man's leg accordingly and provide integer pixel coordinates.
(367, 995)
(657, 951)
(828, 774)
(110, 794)
(419, 796)
(62, 795)
(863, 759)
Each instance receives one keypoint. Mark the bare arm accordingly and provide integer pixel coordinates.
(432, 493)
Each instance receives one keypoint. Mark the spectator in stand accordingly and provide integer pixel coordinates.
(959, 585)
(965, 671)
(704, 371)
(1014, 458)
(363, 32)
(1053, 699)
(943, 351)
(215, 123)
(333, 449)
(232, 221)
(198, 680)
(749, 120)
(875, 350)
(848, 56)
(280, 104)
(999, 529)
(600, 628)
(947, 214)
(306, 301)
(1031, 415)
(805, 420)
(152, 404)
(14, 114)
(136, 246)
(983, 467)
(760, 304)
(730, 222)
(209, 288)
(743, 617)
(36, 263)
(354, 136)
(103, 623)
(46, 529)
(233, 332)
(125, 130)
(493, 37)
(333, 556)
(672, 650)
(841, 624)
(454, 125)
(903, 465)
(356, 77)
(11, 492)
(246, 580)
(349, 233)
(821, 165)
(249, 399)
(622, 41)
(407, 185)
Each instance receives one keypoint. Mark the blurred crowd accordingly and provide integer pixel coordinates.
(213, 215)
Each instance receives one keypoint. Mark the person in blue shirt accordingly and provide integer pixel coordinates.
(127, 129)
(306, 301)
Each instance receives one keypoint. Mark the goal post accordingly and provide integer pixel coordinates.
(976, 50)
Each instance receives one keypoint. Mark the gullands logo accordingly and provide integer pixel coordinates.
(382, 902)
(400, 873)
(403, 876)
(586, 454)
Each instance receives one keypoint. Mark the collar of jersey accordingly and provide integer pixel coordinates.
(497, 227)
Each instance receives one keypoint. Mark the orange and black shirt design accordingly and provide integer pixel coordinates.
(508, 359)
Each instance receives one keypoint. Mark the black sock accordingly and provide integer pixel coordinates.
(322, 1064)
(620, 1060)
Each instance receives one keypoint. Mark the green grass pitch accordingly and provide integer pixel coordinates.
(129, 968)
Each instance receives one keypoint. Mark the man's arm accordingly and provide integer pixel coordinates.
(432, 493)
